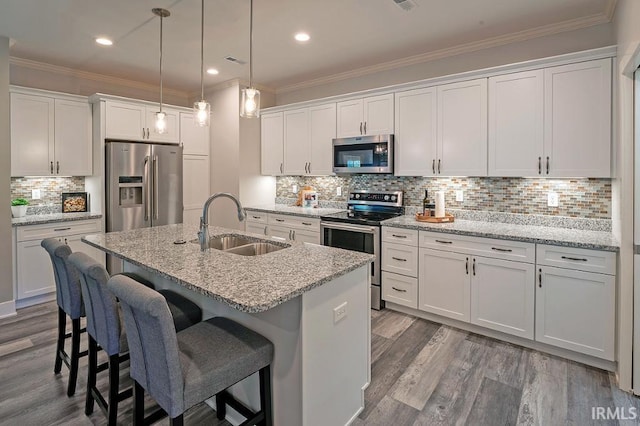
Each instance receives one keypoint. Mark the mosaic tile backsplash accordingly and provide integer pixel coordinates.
(51, 189)
(584, 198)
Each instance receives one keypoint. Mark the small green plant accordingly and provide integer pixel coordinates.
(20, 202)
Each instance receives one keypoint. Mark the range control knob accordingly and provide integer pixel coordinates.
(386, 198)
(350, 195)
(393, 198)
(357, 195)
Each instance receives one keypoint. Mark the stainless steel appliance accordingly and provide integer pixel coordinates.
(359, 229)
(363, 154)
(143, 188)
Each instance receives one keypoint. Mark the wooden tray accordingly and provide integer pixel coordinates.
(448, 218)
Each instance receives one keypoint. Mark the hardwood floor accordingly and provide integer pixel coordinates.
(423, 373)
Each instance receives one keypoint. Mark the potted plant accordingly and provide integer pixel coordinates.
(19, 207)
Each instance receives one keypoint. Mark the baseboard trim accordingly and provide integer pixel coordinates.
(7, 309)
(35, 300)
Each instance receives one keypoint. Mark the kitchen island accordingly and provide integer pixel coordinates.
(311, 301)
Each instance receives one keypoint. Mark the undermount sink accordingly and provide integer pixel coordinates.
(244, 246)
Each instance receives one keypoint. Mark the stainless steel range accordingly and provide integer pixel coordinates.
(359, 229)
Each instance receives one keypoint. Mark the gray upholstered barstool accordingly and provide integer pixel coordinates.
(105, 329)
(69, 298)
(180, 370)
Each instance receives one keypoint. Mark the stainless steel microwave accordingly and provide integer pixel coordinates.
(363, 154)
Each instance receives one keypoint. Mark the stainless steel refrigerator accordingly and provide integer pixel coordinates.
(143, 188)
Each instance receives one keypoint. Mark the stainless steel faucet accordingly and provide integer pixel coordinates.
(203, 233)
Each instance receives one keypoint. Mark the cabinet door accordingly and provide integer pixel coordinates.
(125, 121)
(443, 284)
(281, 232)
(32, 134)
(462, 129)
(296, 141)
(350, 118)
(516, 124)
(73, 144)
(503, 295)
(195, 139)
(195, 181)
(172, 133)
(415, 135)
(272, 143)
(576, 310)
(34, 270)
(76, 244)
(577, 119)
(304, 236)
(378, 115)
(322, 131)
(255, 227)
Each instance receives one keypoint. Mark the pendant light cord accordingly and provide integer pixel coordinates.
(251, 45)
(161, 18)
(202, 54)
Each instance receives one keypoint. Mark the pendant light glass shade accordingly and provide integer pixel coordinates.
(250, 102)
(161, 118)
(201, 108)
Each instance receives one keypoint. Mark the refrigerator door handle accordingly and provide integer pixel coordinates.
(147, 193)
(155, 187)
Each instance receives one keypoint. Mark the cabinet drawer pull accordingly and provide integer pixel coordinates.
(579, 259)
(61, 229)
(52, 167)
(361, 127)
(57, 167)
(433, 166)
(444, 242)
(540, 277)
(399, 289)
(466, 266)
(398, 236)
(438, 166)
(539, 165)
(279, 220)
(547, 165)
(473, 267)
(257, 217)
(501, 250)
(398, 259)
(307, 223)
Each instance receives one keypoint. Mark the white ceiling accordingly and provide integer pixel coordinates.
(346, 34)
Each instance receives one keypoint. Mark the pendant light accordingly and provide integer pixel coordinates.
(250, 106)
(161, 117)
(201, 108)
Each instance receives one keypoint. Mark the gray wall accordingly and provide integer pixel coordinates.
(6, 275)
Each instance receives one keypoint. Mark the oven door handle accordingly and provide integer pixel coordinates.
(353, 228)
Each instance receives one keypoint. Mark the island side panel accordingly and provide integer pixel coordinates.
(336, 349)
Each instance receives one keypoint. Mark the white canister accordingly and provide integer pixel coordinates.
(439, 203)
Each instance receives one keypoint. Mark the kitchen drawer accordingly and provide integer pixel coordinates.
(400, 259)
(295, 222)
(400, 236)
(603, 262)
(39, 232)
(489, 247)
(400, 289)
(257, 217)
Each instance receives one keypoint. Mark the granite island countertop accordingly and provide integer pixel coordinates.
(596, 240)
(293, 210)
(40, 219)
(247, 283)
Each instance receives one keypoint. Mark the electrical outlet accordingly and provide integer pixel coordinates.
(459, 195)
(294, 188)
(339, 313)
(35, 194)
(339, 191)
(552, 199)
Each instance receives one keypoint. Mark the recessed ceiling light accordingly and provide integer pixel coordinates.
(302, 37)
(104, 41)
(213, 71)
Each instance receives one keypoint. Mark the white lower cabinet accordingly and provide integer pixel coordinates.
(400, 289)
(255, 228)
(286, 227)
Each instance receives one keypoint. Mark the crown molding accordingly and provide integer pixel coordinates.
(519, 36)
(86, 75)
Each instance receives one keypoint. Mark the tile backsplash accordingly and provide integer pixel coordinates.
(584, 198)
(51, 189)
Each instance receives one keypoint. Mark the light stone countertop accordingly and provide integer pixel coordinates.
(293, 210)
(246, 283)
(39, 219)
(597, 240)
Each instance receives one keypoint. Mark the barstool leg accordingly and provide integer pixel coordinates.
(265, 395)
(91, 375)
(178, 421)
(114, 384)
(75, 356)
(221, 408)
(138, 404)
(62, 330)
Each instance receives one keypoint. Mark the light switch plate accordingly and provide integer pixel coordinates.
(339, 312)
(552, 199)
(294, 188)
(459, 195)
(339, 191)
(35, 194)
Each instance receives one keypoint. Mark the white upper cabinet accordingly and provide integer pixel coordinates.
(272, 143)
(516, 105)
(50, 136)
(367, 116)
(322, 131)
(415, 136)
(462, 129)
(135, 122)
(296, 141)
(577, 120)
(195, 139)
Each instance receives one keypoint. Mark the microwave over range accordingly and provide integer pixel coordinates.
(363, 154)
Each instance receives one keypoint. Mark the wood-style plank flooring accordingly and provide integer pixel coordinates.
(423, 373)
